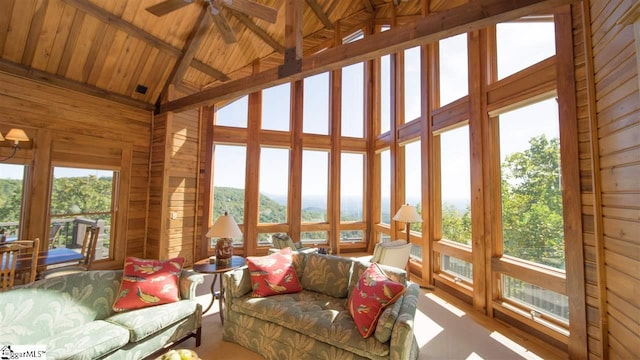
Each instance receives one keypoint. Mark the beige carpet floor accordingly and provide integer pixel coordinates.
(445, 329)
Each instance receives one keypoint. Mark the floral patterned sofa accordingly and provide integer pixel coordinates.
(315, 323)
(72, 315)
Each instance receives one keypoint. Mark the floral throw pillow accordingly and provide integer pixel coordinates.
(273, 274)
(371, 295)
(148, 282)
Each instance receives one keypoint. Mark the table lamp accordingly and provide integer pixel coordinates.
(225, 229)
(407, 214)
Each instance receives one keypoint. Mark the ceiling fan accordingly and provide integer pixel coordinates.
(247, 7)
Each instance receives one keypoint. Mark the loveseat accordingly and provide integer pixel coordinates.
(72, 315)
(315, 322)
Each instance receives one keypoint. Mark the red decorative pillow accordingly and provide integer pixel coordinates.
(273, 274)
(371, 295)
(148, 283)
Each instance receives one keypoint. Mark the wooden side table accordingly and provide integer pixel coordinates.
(205, 266)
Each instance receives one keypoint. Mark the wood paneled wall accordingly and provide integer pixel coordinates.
(609, 127)
(175, 166)
(71, 129)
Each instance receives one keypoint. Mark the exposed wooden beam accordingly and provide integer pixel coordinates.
(258, 31)
(292, 38)
(113, 20)
(191, 47)
(468, 17)
(317, 9)
(369, 5)
(59, 81)
(202, 67)
(293, 27)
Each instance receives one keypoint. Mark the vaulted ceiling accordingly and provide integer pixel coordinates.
(116, 48)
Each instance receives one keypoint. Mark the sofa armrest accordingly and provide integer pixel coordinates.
(236, 282)
(189, 280)
(403, 343)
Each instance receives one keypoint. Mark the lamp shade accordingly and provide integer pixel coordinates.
(224, 227)
(17, 135)
(408, 214)
(1, 137)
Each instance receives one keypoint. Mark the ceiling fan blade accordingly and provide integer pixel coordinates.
(167, 6)
(253, 8)
(228, 35)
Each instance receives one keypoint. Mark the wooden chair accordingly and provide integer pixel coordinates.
(10, 253)
(54, 231)
(88, 252)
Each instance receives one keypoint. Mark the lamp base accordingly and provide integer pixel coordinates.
(223, 263)
(224, 251)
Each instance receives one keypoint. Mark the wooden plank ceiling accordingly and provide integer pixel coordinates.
(110, 47)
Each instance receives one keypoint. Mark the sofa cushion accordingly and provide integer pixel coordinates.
(320, 316)
(273, 274)
(144, 322)
(148, 282)
(327, 274)
(45, 308)
(373, 293)
(89, 341)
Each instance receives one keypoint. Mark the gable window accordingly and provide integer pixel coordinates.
(234, 114)
(353, 101)
(454, 79)
(315, 110)
(276, 107)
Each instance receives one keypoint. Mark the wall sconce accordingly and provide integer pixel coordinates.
(16, 135)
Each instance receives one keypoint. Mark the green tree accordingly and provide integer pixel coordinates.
(456, 225)
(532, 222)
(87, 194)
(10, 197)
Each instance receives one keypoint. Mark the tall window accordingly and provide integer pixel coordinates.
(229, 182)
(352, 197)
(385, 93)
(412, 75)
(413, 187)
(413, 178)
(276, 109)
(454, 82)
(315, 111)
(455, 188)
(385, 186)
(351, 186)
(315, 182)
(455, 209)
(515, 54)
(234, 114)
(11, 193)
(274, 185)
(532, 220)
(532, 214)
(353, 100)
(81, 198)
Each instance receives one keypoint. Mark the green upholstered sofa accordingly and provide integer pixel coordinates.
(315, 323)
(72, 316)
